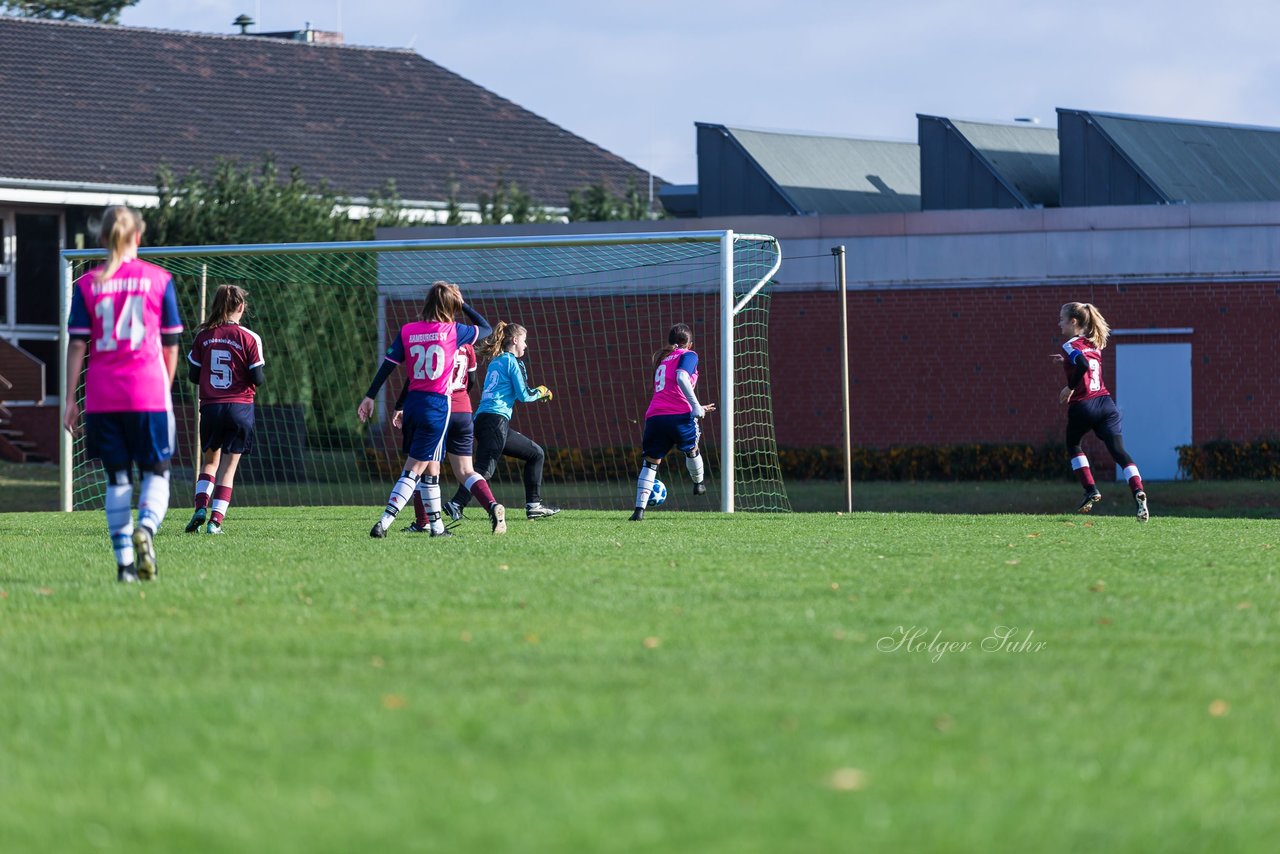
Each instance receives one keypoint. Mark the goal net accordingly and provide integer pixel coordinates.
(596, 307)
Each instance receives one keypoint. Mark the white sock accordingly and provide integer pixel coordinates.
(120, 519)
(400, 495)
(153, 500)
(694, 465)
(431, 498)
(644, 484)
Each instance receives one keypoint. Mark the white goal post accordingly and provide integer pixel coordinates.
(596, 306)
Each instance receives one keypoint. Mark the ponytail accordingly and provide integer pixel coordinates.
(1098, 331)
(497, 343)
(1093, 325)
(679, 336)
(121, 224)
(226, 301)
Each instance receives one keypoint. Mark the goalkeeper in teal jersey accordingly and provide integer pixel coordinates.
(505, 385)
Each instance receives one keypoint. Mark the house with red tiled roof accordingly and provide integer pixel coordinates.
(91, 111)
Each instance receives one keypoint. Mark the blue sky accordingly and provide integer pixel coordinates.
(634, 77)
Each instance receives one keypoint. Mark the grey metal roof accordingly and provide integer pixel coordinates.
(1198, 161)
(837, 175)
(1025, 155)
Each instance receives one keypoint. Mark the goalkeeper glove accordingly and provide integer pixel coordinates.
(544, 393)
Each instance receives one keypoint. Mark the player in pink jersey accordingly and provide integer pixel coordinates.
(429, 346)
(459, 440)
(673, 415)
(1090, 406)
(226, 362)
(124, 317)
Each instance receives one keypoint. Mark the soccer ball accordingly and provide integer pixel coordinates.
(659, 493)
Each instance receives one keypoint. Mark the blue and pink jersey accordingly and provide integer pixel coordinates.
(124, 318)
(667, 397)
(429, 347)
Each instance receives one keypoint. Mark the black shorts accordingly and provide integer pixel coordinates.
(226, 427)
(1098, 414)
(459, 438)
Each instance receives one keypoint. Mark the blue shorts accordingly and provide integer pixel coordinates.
(226, 427)
(426, 420)
(460, 438)
(119, 439)
(663, 431)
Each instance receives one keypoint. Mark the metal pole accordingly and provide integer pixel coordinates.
(726, 372)
(838, 252)
(65, 475)
(197, 454)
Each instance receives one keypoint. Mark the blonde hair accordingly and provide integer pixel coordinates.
(679, 336)
(226, 302)
(443, 303)
(120, 225)
(504, 335)
(1092, 324)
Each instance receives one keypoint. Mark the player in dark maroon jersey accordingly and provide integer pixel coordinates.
(226, 362)
(1090, 406)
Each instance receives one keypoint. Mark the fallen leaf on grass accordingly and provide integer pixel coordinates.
(44, 591)
(1033, 536)
(943, 723)
(531, 639)
(394, 701)
(377, 661)
(465, 637)
(652, 643)
(1098, 586)
(1103, 621)
(848, 780)
(1013, 562)
(1219, 708)
(1244, 606)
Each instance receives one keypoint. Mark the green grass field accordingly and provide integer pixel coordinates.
(697, 682)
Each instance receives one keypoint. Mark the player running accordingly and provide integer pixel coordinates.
(1090, 406)
(672, 416)
(430, 345)
(226, 363)
(124, 315)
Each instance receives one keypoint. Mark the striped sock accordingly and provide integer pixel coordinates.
(479, 487)
(204, 488)
(420, 506)
(400, 495)
(1080, 464)
(1135, 479)
(221, 501)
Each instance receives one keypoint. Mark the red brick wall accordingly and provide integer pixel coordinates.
(935, 366)
(973, 365)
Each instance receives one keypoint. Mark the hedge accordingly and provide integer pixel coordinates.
(1225, 460)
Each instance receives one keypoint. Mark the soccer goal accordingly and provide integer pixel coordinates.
(596, 307)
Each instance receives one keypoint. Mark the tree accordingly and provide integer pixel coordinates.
(597, 204)
(509, 204)
(100, 11)
(245, 204)
(234, 204)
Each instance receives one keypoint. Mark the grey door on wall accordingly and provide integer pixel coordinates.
(1153, 392)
